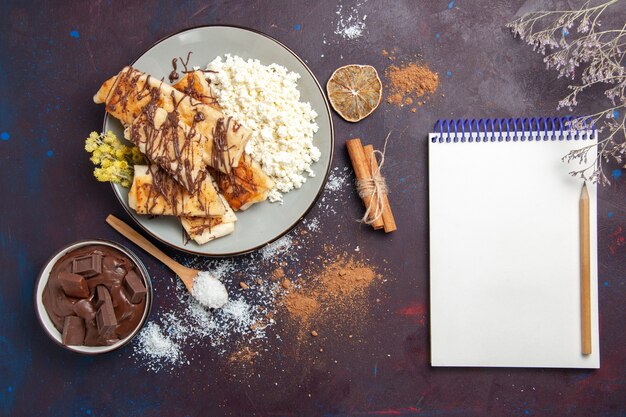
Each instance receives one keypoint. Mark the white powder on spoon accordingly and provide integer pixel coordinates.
(209, 291)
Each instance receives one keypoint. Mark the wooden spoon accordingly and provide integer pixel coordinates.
(186, 275)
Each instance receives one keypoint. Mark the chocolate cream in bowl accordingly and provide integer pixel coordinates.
(95, 296)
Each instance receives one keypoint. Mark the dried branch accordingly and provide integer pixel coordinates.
(595, 57)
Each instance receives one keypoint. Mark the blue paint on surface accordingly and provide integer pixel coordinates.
(14, 367)
(526, 412)
(297, 27)
(87, 359)
(402, 180)
(616, 173)
(437, 35)
(610, 214)
(564, 32)
(5, 136)
(25, 268)
(606, 283)
(88, 412)
(448, 73)
(375, 369)
(451, 4)
(50, 153)
(74, 34)
(154, 24)
(33, 161)
(615, 114)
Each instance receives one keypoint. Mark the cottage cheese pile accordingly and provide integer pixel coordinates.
(266, 99)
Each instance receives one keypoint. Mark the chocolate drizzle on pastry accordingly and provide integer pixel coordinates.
(136, 98)
(174, 74)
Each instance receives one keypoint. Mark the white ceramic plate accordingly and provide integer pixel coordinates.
(263, 222)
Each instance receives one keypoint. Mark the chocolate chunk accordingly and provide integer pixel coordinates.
(85, 310)
(73, 285)
(105, 318)
(88, 266)
(102, 295)
(73, 331)
(134, 286)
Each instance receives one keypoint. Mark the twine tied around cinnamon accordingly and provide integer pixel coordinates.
(374, 188)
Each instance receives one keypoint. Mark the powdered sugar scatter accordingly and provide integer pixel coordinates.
(158, 348)
(335, 191)
(240, 313)
(337, 179)
(276, 248)
(189, 324)
(186, 323)
(350, 25)
(312, 224)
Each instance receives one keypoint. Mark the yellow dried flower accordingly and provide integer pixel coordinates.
(136, 156)
(114, 161)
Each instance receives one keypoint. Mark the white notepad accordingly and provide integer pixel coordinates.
(505, 246)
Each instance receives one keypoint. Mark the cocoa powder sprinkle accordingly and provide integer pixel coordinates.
(334, 287)
(301, 305)
(409, 82)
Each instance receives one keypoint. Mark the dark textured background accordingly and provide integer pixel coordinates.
(53, 57)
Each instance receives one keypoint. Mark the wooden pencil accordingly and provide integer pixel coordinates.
(585, 271)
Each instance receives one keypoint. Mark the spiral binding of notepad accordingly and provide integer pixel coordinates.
(528, 129)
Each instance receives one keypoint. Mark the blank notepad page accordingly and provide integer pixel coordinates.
(505, 252)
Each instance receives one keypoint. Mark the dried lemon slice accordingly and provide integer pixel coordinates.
(354, 91)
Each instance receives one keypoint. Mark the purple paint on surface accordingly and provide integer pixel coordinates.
(335, 389)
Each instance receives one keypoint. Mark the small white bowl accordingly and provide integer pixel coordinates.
(42, 314)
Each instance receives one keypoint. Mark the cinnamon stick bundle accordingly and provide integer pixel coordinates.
(365, 166)
(389, 223)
